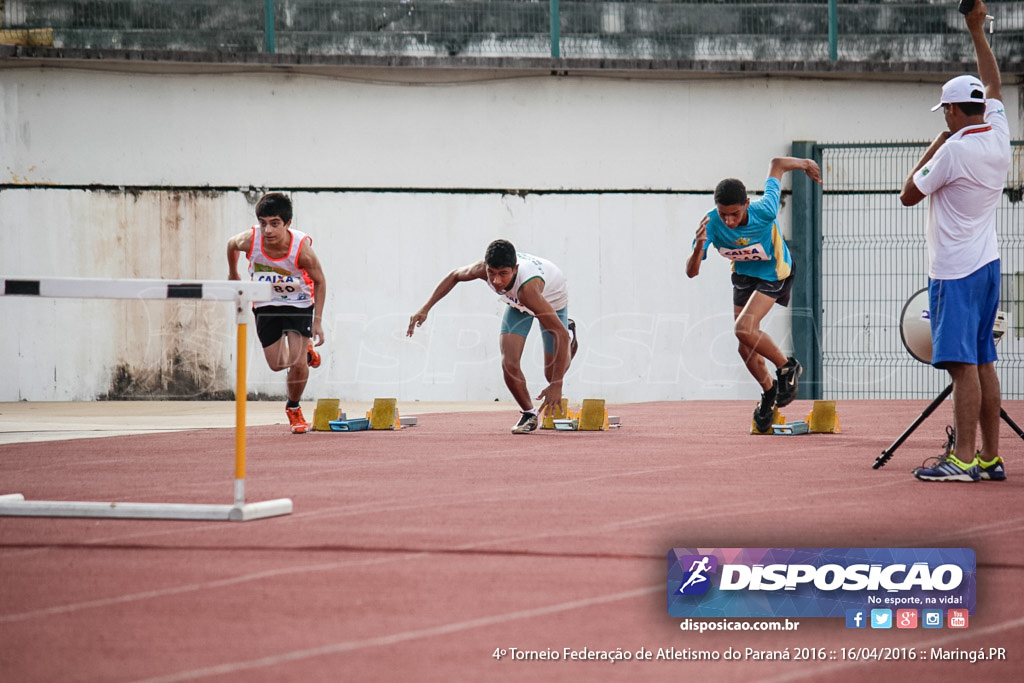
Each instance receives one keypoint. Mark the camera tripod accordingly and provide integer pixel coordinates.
(915, 333)
(887, 453)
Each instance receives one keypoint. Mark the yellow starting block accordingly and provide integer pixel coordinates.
(562, 414)
(384, 414)
(327, 410)
(593, 416)
(823, 418)
(777, 419)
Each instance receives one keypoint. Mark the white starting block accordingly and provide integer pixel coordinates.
(791, 428)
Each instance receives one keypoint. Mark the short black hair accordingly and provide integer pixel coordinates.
(500, 254)
(730, 192)
(274, 204)
(971, 108)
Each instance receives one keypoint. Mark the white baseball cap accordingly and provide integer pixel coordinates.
(964, 88)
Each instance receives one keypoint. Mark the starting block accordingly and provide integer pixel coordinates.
(358, 424)
(563, 414)
(823, 418)
(384, 414)
(777, 419)
(790, 428)
(591, 417)
(327, 410)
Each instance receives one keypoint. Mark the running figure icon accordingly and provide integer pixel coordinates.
(697, 571)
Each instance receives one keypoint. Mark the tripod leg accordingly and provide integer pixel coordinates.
(1009, 421)
(886, 454)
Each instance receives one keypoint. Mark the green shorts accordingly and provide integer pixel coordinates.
(516, 322)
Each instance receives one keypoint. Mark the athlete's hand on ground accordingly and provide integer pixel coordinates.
(550, 398)
(415, 320)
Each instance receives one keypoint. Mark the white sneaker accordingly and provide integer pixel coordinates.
(527, 423)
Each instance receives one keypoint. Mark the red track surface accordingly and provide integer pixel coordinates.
(415, 555)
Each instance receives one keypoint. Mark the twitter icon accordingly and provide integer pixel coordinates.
(881, 618)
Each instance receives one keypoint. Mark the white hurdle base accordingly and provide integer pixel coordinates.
(15, 505)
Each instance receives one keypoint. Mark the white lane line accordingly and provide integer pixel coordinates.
(394, 638)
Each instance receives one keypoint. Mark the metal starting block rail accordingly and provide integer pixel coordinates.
(243, 294)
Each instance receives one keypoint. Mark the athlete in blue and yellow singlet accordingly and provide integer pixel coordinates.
(756, 249)
(748, 234)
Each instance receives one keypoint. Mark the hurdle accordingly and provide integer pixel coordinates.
(243, 294)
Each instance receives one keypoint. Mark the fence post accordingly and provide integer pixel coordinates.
(556, 27)
(833, 30)
(805, 248)
(268, 26)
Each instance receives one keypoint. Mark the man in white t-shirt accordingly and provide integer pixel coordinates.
(963, 171)
(532, 287)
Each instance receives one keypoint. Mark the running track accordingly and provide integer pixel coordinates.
(414, 555)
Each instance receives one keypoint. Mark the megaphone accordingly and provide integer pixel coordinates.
(916, 333)
(916, 326)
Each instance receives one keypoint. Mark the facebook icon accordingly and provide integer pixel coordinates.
(856, 618)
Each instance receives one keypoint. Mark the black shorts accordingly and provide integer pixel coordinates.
(744, 286)
(273, 321)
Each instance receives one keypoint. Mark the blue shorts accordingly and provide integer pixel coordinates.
(963, 313)
(516, 322)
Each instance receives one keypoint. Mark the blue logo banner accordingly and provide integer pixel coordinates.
(818, 582)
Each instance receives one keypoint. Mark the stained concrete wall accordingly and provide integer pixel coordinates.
(397, 182)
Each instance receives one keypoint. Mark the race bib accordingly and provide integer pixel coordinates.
(753, 252)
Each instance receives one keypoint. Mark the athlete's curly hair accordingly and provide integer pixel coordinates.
(730, 192)
(501, 254)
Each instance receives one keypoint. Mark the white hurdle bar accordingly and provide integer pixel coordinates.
(243, 293)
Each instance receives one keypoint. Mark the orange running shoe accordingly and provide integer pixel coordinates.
(312, 357)
(295, 419)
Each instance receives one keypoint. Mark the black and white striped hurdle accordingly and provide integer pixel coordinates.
(243, 294)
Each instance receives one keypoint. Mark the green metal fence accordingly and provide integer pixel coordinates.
(873, 258)
(729, 30)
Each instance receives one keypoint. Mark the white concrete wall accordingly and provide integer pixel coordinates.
(647, 333)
